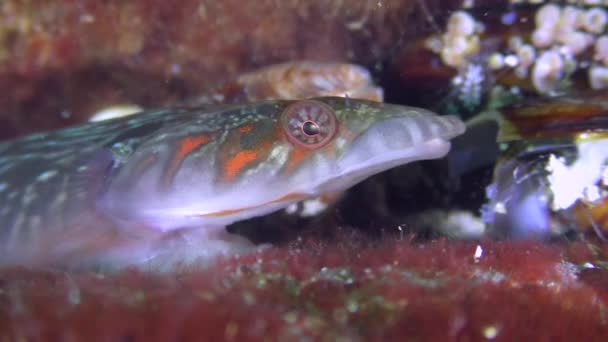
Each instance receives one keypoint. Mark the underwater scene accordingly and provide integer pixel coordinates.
(342, 170)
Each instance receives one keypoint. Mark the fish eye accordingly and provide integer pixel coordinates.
(309, 124)
(311, 128)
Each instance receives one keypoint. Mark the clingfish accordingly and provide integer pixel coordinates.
(158, 188)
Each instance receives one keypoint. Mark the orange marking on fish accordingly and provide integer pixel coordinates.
(246, 128)
(223, 212)
(294, 196)
(189, 144)
(186, 146)
(288, 197)
(237, 163)
(296, 158)
(331, 197)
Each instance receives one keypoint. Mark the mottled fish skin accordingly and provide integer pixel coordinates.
(194, 168)
(49, 182)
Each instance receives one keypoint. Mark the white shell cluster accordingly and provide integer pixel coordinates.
(460, 40)
(563, 35)
(566, 38)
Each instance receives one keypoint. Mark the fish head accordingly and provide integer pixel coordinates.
(262, 157)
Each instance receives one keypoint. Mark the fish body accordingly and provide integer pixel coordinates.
(116, 190)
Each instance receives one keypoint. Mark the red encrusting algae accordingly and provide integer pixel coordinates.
(356, 289)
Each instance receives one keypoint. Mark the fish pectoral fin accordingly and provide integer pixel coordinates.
(179, 248)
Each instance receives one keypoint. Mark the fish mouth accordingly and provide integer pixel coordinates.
(290, 197)
(432, 149)
(394, 142)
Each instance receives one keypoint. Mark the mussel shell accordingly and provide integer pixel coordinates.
(555, 117)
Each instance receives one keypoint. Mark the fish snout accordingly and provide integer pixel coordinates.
(402, 133)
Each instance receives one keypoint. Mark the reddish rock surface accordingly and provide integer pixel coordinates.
(356, 289)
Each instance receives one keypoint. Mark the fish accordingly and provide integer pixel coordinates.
(157, 189)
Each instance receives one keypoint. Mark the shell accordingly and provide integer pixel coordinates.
(552, 174)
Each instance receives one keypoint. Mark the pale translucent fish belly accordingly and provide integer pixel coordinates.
(85, 191)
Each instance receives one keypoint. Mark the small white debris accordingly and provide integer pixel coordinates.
(307, 208)
(500, 208)
(292, 208)
(313, 207)
(490, 332)
(87, 18)
(478, 253)
(401, 233)
(457, 80)
(45, 176)
(114, 112)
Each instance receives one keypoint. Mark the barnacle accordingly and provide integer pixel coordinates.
(564, 40)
